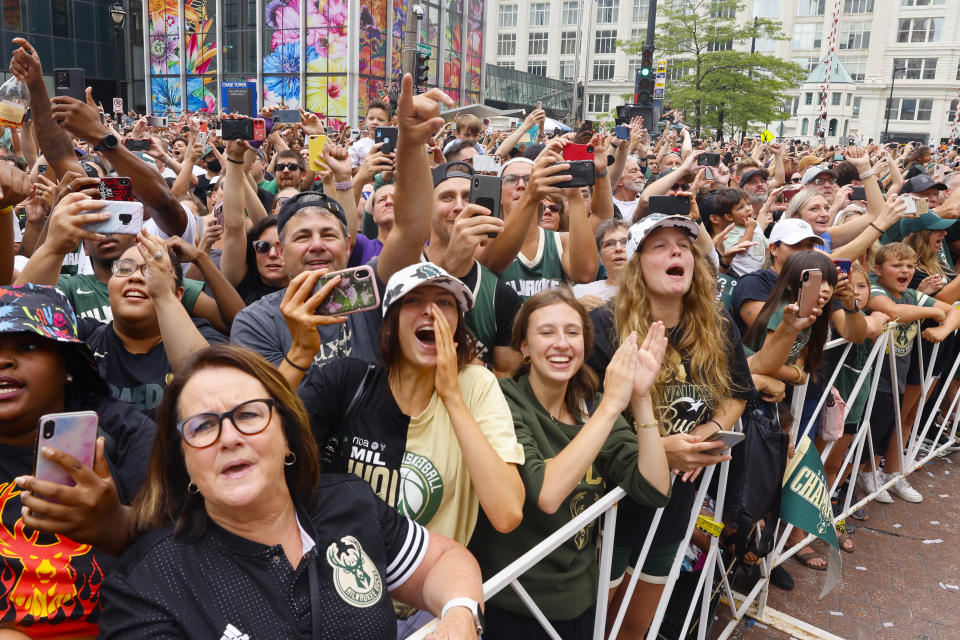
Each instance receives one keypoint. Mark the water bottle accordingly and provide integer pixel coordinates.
(13, 103)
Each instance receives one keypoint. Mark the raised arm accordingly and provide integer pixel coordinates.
(233, 260)
(579, 258)
(535, 117)
(418, 117)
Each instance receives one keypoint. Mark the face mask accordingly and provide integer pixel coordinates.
(214, 165)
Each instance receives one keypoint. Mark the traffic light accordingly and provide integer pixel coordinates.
(422, 75)
(643, 88)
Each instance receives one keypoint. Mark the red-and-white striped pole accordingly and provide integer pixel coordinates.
(829, 62)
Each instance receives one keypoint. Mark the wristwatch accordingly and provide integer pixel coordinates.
(109, 142)
(474, 607)
(856, 307)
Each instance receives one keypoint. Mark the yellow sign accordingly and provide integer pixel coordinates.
(766, 137)
(709, 525)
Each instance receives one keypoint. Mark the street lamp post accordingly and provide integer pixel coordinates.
(119, 17)
(893, 77)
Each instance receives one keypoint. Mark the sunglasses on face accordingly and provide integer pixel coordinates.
(680, 187)
(263, 247)
(795, 180)
(289, 166)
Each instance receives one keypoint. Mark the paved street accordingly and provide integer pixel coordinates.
(894, 586)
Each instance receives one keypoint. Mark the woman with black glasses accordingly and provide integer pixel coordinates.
(242, 536)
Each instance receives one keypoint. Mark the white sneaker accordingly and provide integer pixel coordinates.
(866, 483)
(902, 489)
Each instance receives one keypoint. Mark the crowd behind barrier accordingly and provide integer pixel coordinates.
(559, 385)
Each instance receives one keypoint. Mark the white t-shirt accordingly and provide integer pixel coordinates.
(359, 150)
(626, 207)
(600, 288)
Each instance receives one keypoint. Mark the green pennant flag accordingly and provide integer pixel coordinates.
(805, 503)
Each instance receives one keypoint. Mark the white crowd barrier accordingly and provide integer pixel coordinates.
(699, 608)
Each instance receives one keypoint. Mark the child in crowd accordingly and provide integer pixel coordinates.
(378, 115)
(892, 295)
(733, 207)
(469, 129)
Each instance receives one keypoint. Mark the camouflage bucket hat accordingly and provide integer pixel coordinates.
(409, 278)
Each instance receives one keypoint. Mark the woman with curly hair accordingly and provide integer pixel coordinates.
(701, 388)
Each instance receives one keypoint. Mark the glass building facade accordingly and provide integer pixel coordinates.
(327, 56)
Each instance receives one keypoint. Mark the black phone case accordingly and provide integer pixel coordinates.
(709, 160)
(670, 205)
(388, 136)
(581, 174)
(485, 191)
(237, 129)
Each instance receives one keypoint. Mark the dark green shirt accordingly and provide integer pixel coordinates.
(564, 584)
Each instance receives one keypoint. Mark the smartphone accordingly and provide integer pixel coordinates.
(137, 144)
(202, 127)
(709, 160)
(858, 193)
(119, 189)
(729, 439)
(788, 194)
(622, 132)
(125, 218)
(70, 82)
(809, 292)
(487, 163)
(202, 137)
(156, 121)
(315, 144)
(911, 203)
(838, 157)
(581, 172)
(356, 292)
(574, 151)
(670, 205)
(388, 136)
(103, 118)
(286, 116)
(73, 432)
(485, 191)
(844, 265)
(259, 130)
(218, 213)
(237, 129)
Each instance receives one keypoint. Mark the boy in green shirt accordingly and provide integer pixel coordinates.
(895, 264)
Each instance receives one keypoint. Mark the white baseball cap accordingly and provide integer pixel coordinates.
(793, 231)
(640, 230)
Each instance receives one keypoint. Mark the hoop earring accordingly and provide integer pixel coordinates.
(192, 488)
(525, 359)
(290, 459)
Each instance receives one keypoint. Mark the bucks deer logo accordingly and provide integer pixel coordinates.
(354, 574)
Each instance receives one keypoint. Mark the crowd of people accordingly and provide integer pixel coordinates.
(336, 390)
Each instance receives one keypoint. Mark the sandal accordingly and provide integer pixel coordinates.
(845, 542)
(807, 556)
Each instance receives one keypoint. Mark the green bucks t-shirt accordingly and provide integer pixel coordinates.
(904, 334)
(544, 271)
(90, 298)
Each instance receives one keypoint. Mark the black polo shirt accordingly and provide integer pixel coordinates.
(225, 586)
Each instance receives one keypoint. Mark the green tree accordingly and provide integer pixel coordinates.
(723, 86)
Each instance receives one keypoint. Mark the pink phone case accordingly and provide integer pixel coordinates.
(74, 432)
(809, 292)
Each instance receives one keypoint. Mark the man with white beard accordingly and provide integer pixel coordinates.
(628, 189)
(754, 183)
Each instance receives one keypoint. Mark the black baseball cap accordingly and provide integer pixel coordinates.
(920, 183)
(455, 169)
(753, 172)
(306, 199)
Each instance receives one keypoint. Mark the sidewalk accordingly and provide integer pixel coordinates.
(901, 583)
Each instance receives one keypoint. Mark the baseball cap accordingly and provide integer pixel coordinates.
(745, 178)
(455, 169)
(640, 230)
(924, 221)
(921, 182)
(810, 174)
(306, 199)
(44, 311)
(416, 275)
(792, 231)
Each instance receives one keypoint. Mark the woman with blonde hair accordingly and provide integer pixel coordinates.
(701, 387)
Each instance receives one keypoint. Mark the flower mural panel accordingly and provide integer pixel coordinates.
(165, 96)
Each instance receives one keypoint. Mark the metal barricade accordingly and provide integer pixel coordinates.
(739, 604)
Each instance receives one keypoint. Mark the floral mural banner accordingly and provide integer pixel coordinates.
(198, 58)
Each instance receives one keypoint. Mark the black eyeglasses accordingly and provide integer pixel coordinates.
(289, 166)
(513, 180)
(263, 246)
(249, 418)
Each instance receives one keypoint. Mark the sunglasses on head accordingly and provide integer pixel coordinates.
(289, 166)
